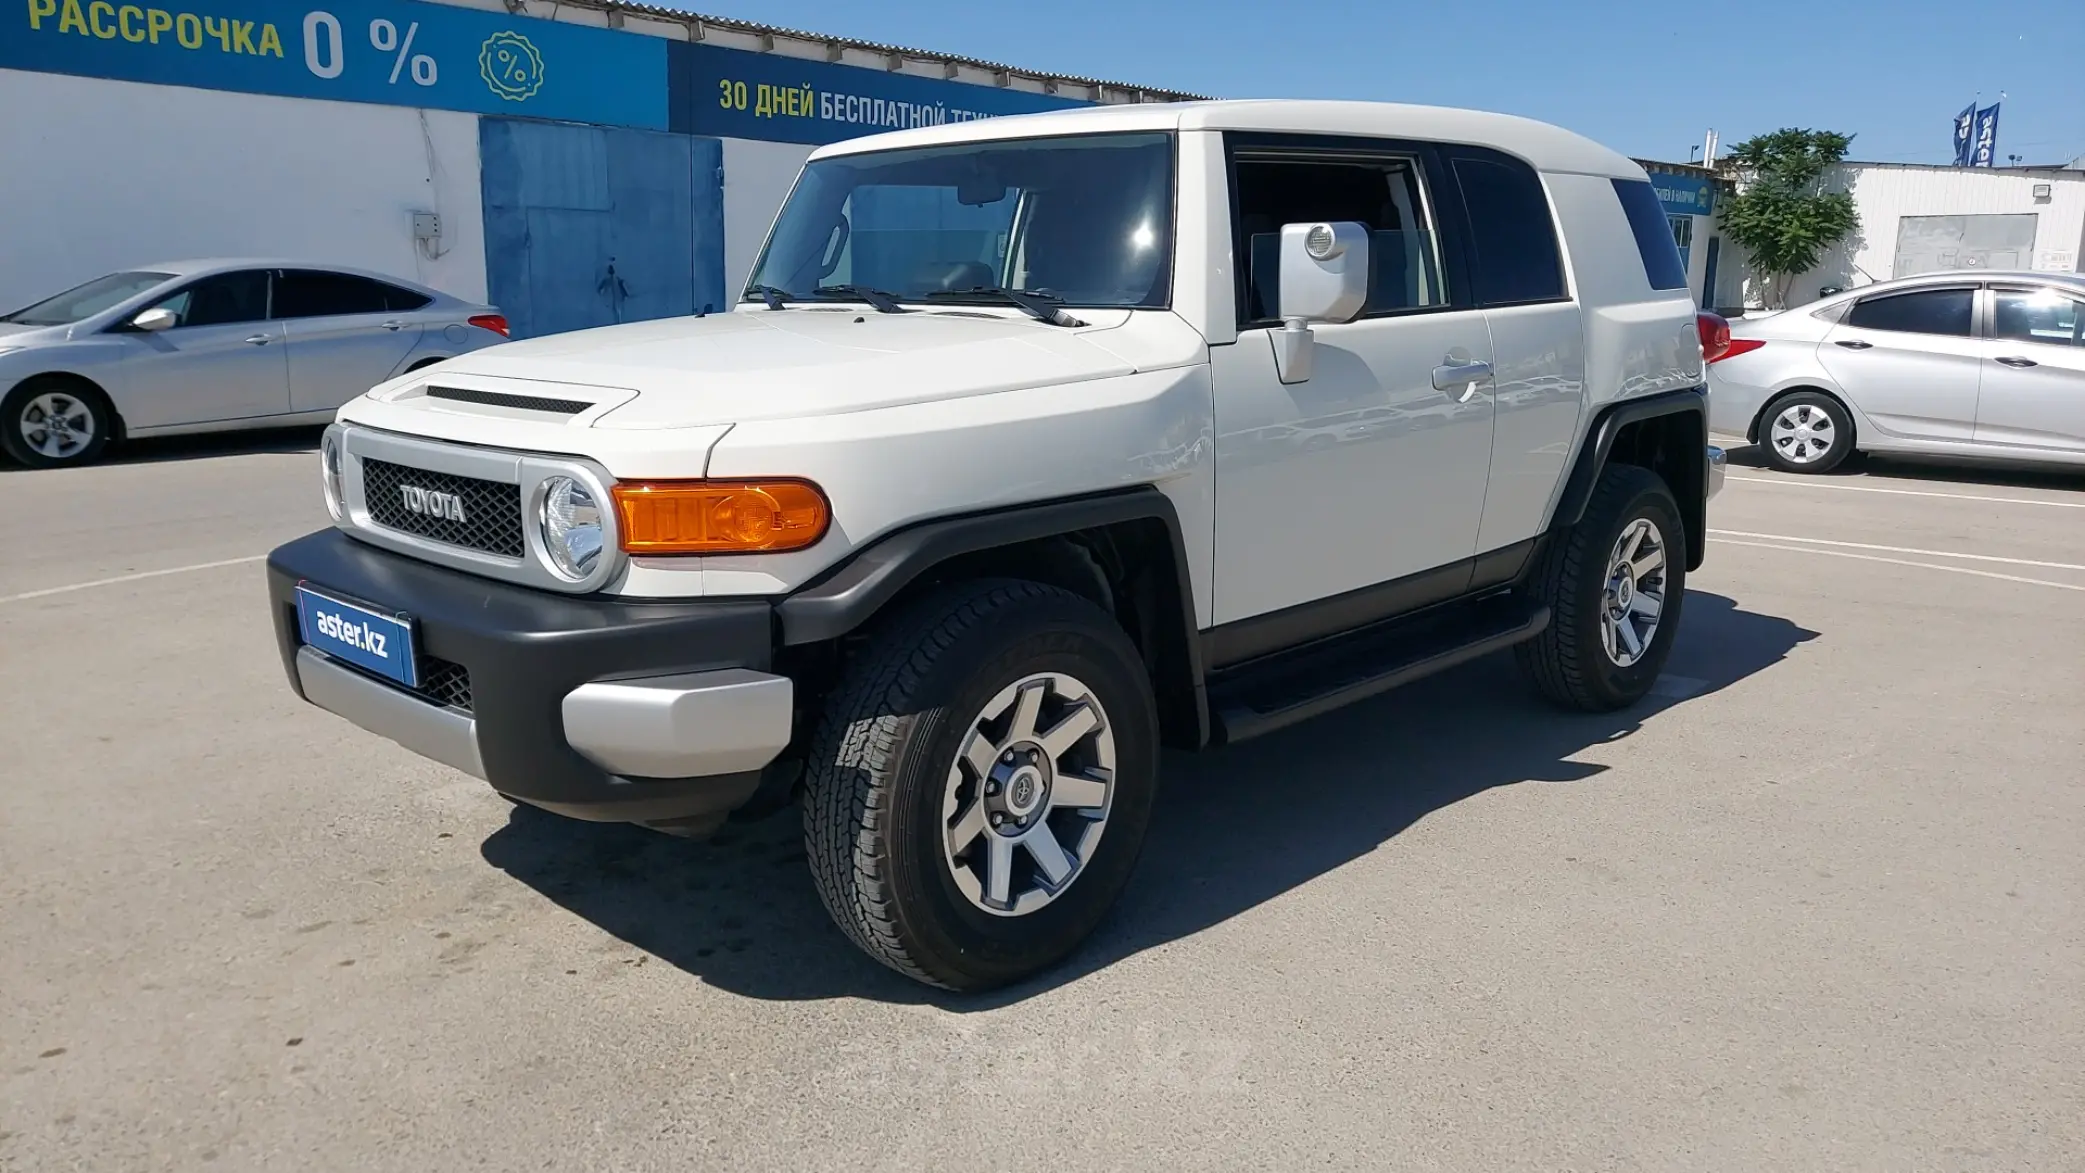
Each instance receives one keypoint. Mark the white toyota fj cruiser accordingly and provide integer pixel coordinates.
(1035, 443)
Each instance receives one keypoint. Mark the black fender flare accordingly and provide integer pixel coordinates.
(1594, 453)
(851, 593)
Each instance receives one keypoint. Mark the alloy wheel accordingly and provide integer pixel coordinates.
(57, 425)
(1634, 596)
(1029, 794)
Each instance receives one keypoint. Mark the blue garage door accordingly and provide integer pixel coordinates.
(589, 225)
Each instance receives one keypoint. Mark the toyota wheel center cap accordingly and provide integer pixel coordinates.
(1023, 790)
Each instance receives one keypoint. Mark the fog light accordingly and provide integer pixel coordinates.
(571, 527)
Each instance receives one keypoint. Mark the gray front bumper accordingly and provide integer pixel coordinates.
(1719, 462)
(690, 725)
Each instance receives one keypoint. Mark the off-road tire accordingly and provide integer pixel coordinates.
(878, 767)
(1567, 661)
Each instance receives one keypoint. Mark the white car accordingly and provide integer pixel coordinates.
(1962, 364)
(202, 346)
(1025, 453)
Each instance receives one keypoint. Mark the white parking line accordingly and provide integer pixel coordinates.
(1738, 533)
(122, 578)
(2061, 586)
(1812, 484)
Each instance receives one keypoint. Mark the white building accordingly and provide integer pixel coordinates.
(1917, 218)
(579, 162)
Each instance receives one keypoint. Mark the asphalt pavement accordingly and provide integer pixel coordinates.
(1819, 904)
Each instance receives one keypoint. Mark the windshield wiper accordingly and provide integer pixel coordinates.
(775, 298)
(883, 301)
(1033, 302)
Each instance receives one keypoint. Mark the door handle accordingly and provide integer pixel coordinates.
(259, 340)
(1460, 377)
(394, 325)
(1855, 344)
(2014, 360)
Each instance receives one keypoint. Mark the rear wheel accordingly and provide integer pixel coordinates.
(1805, 431)
(1614, 584)
(50, 422)
(981, 784)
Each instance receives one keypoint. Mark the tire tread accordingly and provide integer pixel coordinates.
(847, 783)
(1553, 659)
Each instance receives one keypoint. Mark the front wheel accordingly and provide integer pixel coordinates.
(1614, 584)
(979, 789)
(51, 422)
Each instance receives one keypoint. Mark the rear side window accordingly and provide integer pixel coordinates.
(305, 293)
(1513, 241)
(1929, 311)
(1655, 241)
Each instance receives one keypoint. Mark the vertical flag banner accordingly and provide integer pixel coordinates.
(1986, 137)
(1965, 134)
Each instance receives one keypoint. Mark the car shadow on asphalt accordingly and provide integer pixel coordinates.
(1235, 827)
(1966, 471)
(201, 446)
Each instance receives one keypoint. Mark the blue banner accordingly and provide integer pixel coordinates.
(1965, 134)
(1986, 137)
(1684, 195)
(734, 93)
(395, 52)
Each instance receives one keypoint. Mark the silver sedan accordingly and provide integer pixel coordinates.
(199, 346)
(1962, 364)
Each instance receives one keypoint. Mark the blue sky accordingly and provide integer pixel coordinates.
(1646, 79)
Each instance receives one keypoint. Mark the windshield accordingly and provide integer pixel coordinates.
(87, 300)
(1085, 220)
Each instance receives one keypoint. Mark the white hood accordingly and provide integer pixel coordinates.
(761, 364)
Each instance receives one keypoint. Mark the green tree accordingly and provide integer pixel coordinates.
(1782, 215)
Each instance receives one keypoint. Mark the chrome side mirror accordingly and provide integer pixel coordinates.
(154, 320)
(1324, 278)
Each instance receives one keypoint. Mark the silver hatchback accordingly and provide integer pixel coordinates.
(197, 346)
(1945, 364)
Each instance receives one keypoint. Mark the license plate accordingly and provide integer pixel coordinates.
(371, 640)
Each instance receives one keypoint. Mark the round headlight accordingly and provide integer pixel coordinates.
(572, 530)
(329, 472)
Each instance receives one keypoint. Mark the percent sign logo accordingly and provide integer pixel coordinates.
(383, 37)
(511, 66)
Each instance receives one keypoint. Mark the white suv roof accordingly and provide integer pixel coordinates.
(1548, 148)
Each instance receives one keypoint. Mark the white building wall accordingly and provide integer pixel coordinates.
(108, 175)
(757, 176)
(1885, 193)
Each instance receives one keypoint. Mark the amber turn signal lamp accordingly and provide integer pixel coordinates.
(719, 517)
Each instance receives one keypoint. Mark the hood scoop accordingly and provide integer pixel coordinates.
(504, 399)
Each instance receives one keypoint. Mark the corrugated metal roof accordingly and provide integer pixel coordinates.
(1694, 169)
(665, 12)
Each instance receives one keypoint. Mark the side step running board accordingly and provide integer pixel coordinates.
(1306, 684)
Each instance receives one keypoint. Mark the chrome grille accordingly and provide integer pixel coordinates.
(491, 509)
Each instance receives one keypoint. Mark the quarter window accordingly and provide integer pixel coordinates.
(2039, 315)
(1513, 239)
(307, 293)
(1384, 193)
(1657, 235)
(1929, 311)
(223, 300)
